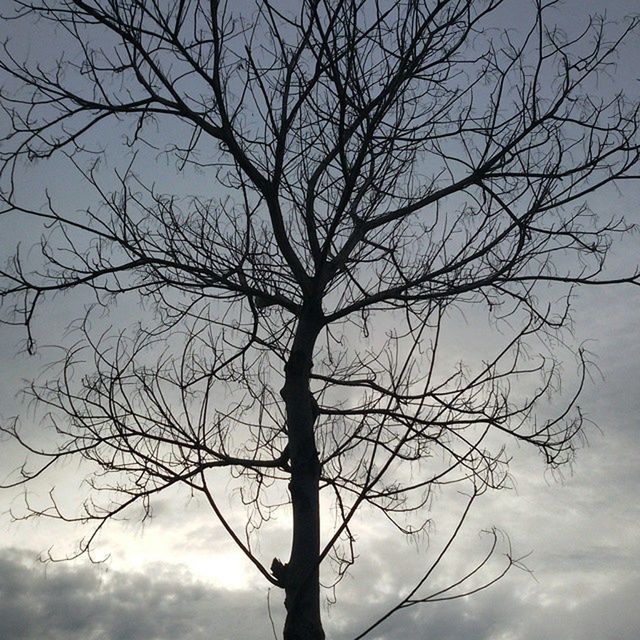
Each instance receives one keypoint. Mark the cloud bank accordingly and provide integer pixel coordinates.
(66, 602)
(62, 602)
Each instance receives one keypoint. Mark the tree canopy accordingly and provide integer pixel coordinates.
(371, 169)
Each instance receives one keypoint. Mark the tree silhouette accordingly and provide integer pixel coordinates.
(373, 168)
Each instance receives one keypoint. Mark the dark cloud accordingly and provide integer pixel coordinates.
(63, 602)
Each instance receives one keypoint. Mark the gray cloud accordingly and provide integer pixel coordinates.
(88, 603)
(505, 613)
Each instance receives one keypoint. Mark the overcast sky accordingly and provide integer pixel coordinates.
(178, 577)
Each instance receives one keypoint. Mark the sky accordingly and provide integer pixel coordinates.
(178, 577)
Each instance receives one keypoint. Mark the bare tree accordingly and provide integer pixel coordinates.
(373, 167)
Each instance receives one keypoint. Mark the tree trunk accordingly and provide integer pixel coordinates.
(301, 576)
